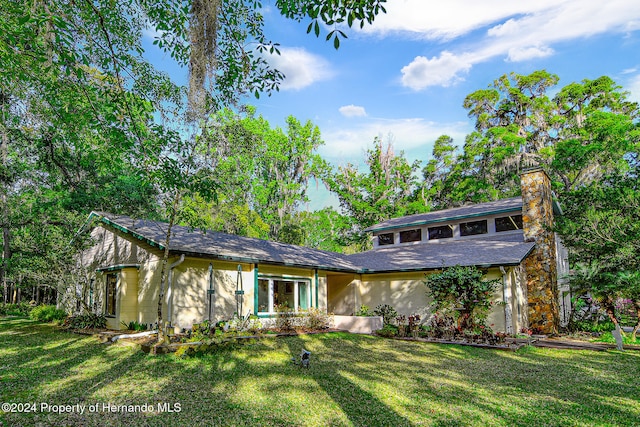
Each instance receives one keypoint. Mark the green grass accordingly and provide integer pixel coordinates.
(608, 338)
(353, 380)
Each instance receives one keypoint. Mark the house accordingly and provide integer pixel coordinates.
(214, 275)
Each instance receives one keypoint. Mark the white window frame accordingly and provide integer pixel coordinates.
(296, 292)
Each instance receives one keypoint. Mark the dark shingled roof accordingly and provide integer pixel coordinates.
(226, 246)
(508, 249)
(513, 204)
(500, 251)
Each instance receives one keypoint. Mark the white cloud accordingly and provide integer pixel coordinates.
(633, 86)
(409, 135)
(517, 31)
(352, 111)
(517, 54)
(450, 19)
(301, 68)
(444, 70)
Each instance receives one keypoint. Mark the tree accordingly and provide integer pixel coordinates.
(600, 226)
(328, 230)
(93, 51)
(264, 168)
(461, 293)
(387, 190)
(435, 188)
(579, 135)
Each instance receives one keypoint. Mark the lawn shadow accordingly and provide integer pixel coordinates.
(331, 372)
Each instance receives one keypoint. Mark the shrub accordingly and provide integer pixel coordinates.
(286, 320)
(22, 309)
(591, 326)
(135, 326)
(317, 319)
(86, 321)
(462, 292)
(387, 312)
(364, 311)
(388, 331)
(47, 313)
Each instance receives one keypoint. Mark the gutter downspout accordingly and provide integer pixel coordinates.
(506, 295)
(169, 283)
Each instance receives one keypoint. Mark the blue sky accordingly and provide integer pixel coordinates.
(405, 77)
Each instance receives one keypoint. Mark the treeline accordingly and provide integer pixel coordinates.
(88, 124)
(238, 174)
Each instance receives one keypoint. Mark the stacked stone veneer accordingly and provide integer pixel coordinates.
(540, 265)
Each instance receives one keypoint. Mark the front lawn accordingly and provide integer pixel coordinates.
(353, 380)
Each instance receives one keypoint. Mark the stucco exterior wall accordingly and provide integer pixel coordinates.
(496, 319)
(127, 306)
(190, 301)
(407, 294)
(341, 293)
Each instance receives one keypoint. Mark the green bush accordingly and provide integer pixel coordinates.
(47, 313)
(387, 312)
(86, 321)
(591, 326)
(388, 331)
(364, 311)
(462, 293)
(317, 319)
(22, 309)
(135, 326)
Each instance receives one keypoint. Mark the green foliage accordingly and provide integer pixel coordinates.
(316, 319)
(86, 321)
(387, 312)
(286, 318)
(603, 237)
(580, 134)
(387, 190)
(591, 326)
(47, 313)
(134, 326)
(461, 292)
(262, 172)
(332, 13)
(607, 337)
(328, 230)
(364, 311)
(22, 309)
(388, 331)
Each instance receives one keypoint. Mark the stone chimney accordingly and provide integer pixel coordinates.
(540, 265)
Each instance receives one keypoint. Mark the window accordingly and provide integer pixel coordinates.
(112, 281)
(411, 235)
(440, 232)
(473, 228)
(385, 239)
(507, 223)
(275, 292)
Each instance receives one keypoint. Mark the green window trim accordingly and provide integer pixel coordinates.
(255, 289)
(317, 287)
(283, 294)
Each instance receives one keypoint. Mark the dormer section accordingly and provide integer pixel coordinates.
(483, 220)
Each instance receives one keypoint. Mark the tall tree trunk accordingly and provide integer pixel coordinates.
(6, 247)
(610, 309)
(165, 264)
